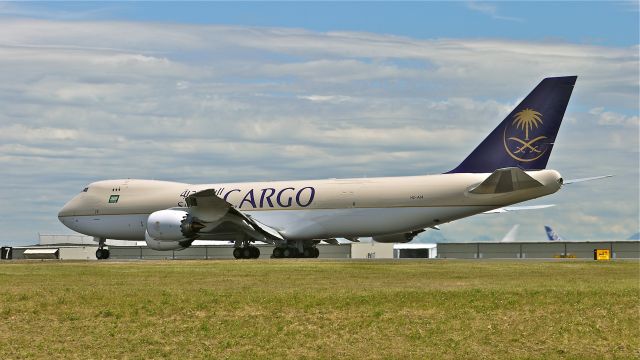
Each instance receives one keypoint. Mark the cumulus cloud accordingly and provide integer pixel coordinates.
(83, 101)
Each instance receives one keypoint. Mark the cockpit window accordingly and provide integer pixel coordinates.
(85, 189)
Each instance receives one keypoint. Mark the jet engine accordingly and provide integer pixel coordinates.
(397, 238)
(171, 230)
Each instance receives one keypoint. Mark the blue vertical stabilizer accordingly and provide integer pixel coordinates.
(525, 137)
(552, 235)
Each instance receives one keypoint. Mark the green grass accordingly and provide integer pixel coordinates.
(320, 309)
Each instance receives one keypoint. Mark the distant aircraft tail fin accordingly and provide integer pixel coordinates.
(512, 234)
(526, 136)
(551, 235)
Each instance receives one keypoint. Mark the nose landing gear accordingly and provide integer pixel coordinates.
(102, 253)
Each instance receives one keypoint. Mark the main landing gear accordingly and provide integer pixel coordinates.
(292, 249)
(246, 252)
(293, 252)
(243, 248)
(102, 253)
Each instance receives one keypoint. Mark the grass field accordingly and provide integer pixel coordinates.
(320, 309)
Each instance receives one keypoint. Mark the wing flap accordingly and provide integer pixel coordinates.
(208, 207)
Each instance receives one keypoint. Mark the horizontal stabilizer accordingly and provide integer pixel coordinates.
(573, 181)
(506, 180)
(517, 208)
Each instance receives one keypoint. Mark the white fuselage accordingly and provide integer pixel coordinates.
(301, 210)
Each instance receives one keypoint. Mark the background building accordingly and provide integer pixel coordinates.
(79, 247)
(538, 250)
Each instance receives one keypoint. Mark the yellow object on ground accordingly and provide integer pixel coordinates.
(602, 254)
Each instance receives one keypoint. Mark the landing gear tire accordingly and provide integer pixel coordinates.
(290, 252)
(102, 254)
(247, 252)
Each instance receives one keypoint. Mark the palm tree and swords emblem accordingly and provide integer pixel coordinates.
(524, 149)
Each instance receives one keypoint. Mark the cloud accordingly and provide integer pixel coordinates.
(491, 10)
(25, 10)
(44, 134)
(326, 98)
(85, 101)
(613, 118)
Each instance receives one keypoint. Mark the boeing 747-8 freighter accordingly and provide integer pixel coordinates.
(508, 167)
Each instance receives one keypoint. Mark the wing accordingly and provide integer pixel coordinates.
(222, 220)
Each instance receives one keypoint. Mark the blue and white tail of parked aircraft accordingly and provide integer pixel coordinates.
(552, 235)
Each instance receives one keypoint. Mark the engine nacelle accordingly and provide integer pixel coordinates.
(172, 225)
(166, 245)
(397, 238)
(171, 230)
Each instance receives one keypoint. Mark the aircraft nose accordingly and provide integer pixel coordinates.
(69, 212)
(69, 209)
(64, 212)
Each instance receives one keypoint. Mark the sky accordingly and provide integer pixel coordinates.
(229, 92)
